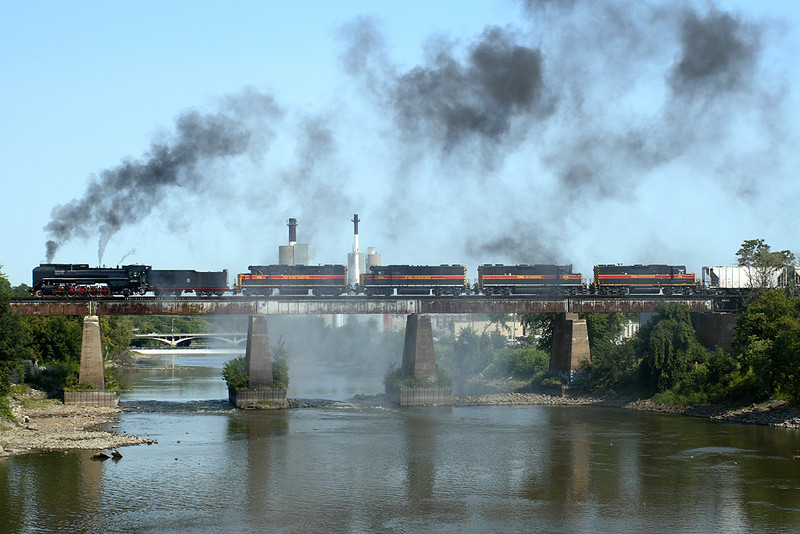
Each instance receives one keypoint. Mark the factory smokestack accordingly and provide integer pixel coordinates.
(355, 260)
(292, 231)
(355, 220)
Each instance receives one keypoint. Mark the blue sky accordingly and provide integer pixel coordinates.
(461, 132)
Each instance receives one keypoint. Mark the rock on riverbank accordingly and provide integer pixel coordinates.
(42, 424)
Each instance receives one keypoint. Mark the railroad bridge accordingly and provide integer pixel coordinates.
(570, 340)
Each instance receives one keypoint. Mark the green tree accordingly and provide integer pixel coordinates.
(116, 332)
(12, 335)
(768, 345)
(669, 348)
(762, 264)
(603, 328)
(540, 326)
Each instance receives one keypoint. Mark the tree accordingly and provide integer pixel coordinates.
(762, 264)
(11, 335)
(669, 348)
(541, 326)
(768, 345)
(116, 332)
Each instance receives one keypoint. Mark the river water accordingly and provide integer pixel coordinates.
(362, 467)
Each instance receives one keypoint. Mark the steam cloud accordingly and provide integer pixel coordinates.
(563, 92)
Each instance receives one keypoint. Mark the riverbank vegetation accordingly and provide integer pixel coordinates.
(665, 361)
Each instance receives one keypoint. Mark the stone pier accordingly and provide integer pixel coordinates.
(418, 358)
(419, 362)
(92, 369)
(570, 345)
(259, 363)
(260, 394)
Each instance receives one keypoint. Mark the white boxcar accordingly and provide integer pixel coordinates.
(738, 277)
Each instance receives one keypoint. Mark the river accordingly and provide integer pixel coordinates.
(363, 467)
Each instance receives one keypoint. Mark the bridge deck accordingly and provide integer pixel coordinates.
(351, 305)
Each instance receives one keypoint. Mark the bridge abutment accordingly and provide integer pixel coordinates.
(570, 345)
(715, 329)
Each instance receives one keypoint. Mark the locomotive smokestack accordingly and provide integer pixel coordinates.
(292, 231)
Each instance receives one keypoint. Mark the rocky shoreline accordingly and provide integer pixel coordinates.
(41, 425)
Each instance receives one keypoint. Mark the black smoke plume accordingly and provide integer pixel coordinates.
(123, 195)
(561, 91)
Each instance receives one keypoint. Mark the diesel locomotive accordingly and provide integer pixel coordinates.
(321, 280)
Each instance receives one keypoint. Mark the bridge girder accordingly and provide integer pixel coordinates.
(351, 305)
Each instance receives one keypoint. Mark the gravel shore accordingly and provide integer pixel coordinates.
(42, 424)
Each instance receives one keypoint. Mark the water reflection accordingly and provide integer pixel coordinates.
(360, 468)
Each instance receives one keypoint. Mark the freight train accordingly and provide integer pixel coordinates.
(80, 280)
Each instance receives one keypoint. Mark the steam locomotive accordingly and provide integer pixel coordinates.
(80, 280)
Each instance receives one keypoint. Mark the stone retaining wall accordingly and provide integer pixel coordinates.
(103, 399)
(420, 396)
(258, 399)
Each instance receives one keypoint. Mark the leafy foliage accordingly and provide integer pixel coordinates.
(762, 263)
(235, 371)
(669, 348)
(525, 362)
(768, 345)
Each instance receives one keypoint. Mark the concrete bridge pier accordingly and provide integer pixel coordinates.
(418, 357)
(92, 368)
(419, 362)
(257, 355)
(570, 345)
(258, 363)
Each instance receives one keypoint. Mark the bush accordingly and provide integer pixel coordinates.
(235, 372)
(524, 363)
(395, 379)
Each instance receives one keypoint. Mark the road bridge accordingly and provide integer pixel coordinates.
(174, 339)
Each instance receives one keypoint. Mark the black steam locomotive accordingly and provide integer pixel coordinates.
(80, 280)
